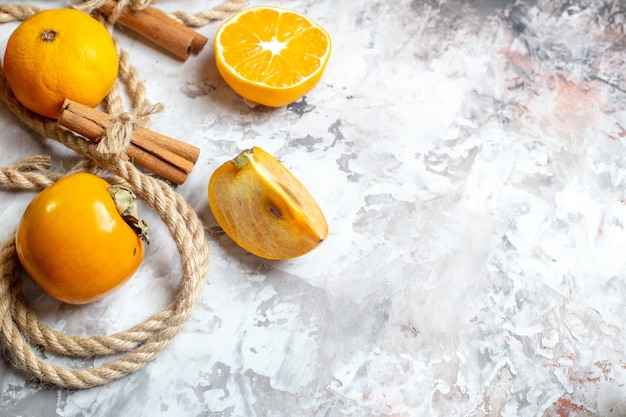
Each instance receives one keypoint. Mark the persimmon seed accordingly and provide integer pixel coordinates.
(275, 212)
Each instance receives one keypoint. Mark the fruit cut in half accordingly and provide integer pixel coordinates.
(270, 55)
(263, 207)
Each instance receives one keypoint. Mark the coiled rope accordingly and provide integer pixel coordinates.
(21, 332)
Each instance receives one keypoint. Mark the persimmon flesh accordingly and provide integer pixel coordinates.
(264, 208)
(74, 242)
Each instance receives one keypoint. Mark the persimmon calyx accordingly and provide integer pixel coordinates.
(124, 200)
(242, 159)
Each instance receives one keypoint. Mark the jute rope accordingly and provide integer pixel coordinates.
(10, 13)
(21, 332)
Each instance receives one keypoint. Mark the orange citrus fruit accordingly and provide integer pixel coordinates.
(270, 55)
(263, 207)
(73, 241)
(57, 54)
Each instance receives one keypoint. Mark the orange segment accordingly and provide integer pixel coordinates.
(270, 55)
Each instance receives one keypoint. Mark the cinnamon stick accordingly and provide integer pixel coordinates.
(160, 28)
(167, 157)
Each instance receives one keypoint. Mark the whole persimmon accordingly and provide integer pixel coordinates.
(75, 241)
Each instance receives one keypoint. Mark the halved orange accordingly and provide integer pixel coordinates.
(271, 55)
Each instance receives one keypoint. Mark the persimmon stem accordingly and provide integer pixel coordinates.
(242, 159)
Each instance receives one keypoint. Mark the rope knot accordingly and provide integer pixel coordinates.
(139, 4)
(118, 135)
(89, 6)
(133, 5)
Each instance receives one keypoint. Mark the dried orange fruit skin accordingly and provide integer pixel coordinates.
(57, 54)
(263, 207)
(73, 242)
(270, 55)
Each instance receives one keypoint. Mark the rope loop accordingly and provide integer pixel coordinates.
(22, 334)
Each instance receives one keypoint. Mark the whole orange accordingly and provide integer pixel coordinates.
(57, 54)
(74, 243)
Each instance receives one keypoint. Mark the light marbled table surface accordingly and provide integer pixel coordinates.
(469, 157)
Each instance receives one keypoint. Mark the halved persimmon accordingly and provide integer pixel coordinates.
(270, 55)
(264, 208)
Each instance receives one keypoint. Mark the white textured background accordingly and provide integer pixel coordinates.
(469, 157)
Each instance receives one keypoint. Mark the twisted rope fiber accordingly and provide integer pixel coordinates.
(19, 327)
(205, 17)
(197, 19)
(9, 13)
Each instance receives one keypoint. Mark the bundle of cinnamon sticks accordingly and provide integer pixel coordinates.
(169, 158)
